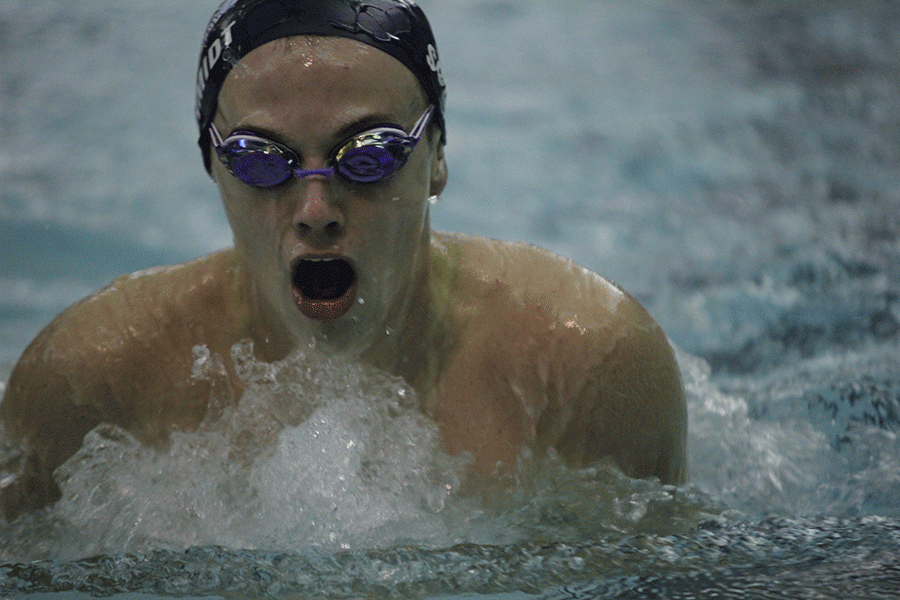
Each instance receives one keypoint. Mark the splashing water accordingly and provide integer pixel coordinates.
(326, 453)
(316, 452)
(327, 479)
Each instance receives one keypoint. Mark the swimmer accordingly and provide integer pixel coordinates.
(322, 124)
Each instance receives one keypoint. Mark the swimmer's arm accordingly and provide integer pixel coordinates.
(632, 409)
(45, 422)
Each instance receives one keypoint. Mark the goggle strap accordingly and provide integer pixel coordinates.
(217, 140)
(421, 124)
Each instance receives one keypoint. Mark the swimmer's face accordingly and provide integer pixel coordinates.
(310, 94)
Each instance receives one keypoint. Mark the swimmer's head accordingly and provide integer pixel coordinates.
(397, 27)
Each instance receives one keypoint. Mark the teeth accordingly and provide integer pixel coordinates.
(320, 259)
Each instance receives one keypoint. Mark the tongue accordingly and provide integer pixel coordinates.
(324, 290)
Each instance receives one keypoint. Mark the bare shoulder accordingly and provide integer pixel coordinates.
(602, 375)
(100, 356)
(123, 356)
(97, 329)
(538, 276)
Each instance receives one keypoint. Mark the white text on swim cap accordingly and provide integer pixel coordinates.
(434, 64)
(213, 54)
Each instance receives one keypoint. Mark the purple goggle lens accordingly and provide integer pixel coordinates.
(368, 157)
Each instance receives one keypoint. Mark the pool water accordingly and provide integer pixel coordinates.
(732, 164)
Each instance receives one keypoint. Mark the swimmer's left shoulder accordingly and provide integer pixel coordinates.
(612, 386)
(549, 277)
(540, 278)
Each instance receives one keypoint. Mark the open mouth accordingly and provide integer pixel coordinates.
(324, 288)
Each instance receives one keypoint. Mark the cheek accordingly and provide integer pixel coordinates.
(394, 224)
(253, 220)
(411, 207)
(401, 244)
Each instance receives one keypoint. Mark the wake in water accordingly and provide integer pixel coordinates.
(816, 437)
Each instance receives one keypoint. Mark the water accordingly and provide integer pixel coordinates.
(733, 164)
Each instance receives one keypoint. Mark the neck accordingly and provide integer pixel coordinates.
(409, 342)
(416, 336)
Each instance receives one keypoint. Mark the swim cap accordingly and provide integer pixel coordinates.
(398, 27)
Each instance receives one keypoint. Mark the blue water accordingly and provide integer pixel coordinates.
(732, 164)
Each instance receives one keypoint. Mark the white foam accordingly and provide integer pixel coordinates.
(327, 453)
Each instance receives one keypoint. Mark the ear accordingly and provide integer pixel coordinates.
(438, 171)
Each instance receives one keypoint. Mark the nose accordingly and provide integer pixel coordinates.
(318, 218)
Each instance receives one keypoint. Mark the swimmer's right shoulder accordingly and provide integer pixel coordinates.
(141, 305)
(125, 333)
(122, 355)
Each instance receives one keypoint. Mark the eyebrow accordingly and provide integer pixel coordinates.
(356, 127)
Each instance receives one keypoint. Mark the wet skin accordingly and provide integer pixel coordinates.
(508, 346)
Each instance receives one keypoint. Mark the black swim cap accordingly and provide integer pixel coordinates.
(398, 27)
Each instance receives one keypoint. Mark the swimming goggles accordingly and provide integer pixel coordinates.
(367, 157)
